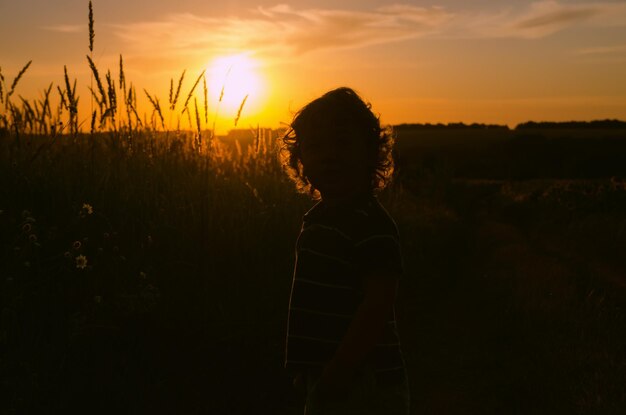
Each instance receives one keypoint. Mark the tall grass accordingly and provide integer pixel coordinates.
(35, 117)
(149, 268)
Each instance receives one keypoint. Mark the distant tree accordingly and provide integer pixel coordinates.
(440, 126)
(597, 124)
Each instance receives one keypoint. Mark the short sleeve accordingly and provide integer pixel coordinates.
(379, 254)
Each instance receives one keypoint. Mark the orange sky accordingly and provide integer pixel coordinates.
(495, 62)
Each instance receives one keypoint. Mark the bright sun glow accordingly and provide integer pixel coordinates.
(231, 80)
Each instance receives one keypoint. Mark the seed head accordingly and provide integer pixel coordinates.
(86, 210)
(81, 262)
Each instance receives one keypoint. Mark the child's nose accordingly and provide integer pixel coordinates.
(333, 151)
(330, 161)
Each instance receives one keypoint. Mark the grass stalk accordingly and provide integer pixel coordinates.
(1, 86)
(206, 100)
(122, 75)
(192, 89)
(171, 92)
(198, 123)
(96, 74)
(72, 102)
(156, 107)
(112, 95)
(243, 102)
(175, 99)
(16, 80)
(92, 33)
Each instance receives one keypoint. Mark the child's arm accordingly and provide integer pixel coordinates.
(363, 334)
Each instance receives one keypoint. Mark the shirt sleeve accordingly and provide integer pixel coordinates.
(379, 254)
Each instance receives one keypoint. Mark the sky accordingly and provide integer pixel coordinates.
(497, 62)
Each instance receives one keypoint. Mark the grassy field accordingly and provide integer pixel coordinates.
(146, 269)
(139, 273)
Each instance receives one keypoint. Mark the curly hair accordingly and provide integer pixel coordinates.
(341, 107)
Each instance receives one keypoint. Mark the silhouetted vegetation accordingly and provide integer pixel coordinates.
(440, 126)
(596, 124)
(149, 271)
(520, 154)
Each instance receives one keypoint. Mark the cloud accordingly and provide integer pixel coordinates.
(282, 30)
(286, 31)
(314, 29)
(602, 50)
(66, 28)
(544, 18)
(602, 54)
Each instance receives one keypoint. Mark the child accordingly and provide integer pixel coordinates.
(342, 343)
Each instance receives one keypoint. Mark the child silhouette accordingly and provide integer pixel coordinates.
(342, 344)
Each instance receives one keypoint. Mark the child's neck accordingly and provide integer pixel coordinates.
(346, 199)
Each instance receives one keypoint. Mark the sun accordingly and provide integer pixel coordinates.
(235, 80)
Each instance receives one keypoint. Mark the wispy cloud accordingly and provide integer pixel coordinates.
(312, 29)
(544, 18)
(285, 30)
(602, 50)
(602, 54)
(66, 28)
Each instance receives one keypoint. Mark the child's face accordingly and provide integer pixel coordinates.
(335, 161)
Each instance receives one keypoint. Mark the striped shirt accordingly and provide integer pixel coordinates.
(337, 247)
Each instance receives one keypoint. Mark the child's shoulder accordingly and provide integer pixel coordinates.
(360, 220)
(315, 213)
(376, 219)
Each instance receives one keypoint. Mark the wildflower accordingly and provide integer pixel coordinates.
(86, 210)
(27, 227)
(32, 237)
(67, 254)
(76, 245)
(81, 262)
(106, 235)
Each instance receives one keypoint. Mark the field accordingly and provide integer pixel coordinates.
(140, 273)
(147, 268)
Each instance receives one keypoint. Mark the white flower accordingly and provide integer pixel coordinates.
(86, 210)
(81, 262)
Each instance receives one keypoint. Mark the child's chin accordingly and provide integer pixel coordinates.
(335, 191)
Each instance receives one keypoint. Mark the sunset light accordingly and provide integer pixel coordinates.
(313, 207)
(231, 79)
(492, 62)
